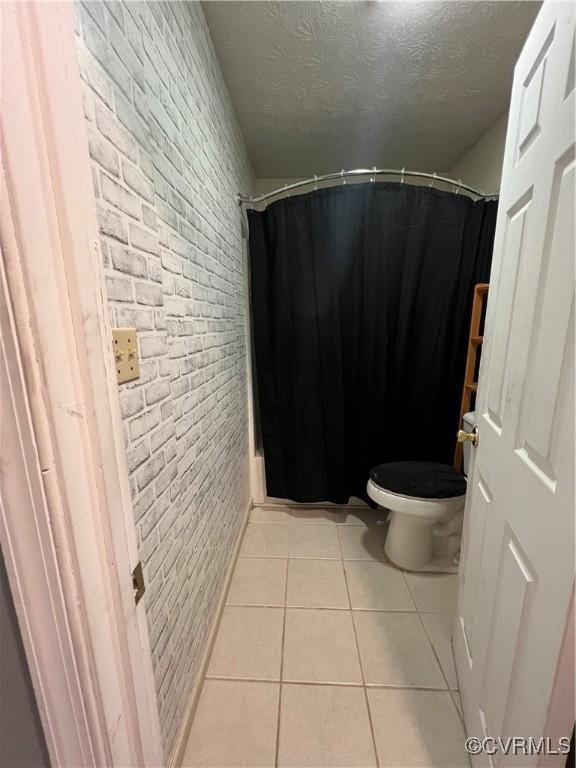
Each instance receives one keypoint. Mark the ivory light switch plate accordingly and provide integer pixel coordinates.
(126, 354)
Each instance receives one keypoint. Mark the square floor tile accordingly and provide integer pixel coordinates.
(314, 541)
(361, 543)
(434, 592)
(270, 515)
(417, 729)
(248, 644)
(316, 584)
(439, 629)
(234, 725)
(258, 581)
(377, 586)
(266, 540)
(313, 515)
(324, 727)
(363, 517)
(319, 646)
(394, 650)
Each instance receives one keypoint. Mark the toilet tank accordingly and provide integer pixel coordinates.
(467, 426)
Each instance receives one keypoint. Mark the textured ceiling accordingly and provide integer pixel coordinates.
(319, 86)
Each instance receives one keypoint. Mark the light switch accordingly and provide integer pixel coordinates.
(126, 354)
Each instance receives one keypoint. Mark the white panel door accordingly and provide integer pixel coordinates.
(517, 568)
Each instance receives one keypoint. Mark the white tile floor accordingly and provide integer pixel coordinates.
(328, 656)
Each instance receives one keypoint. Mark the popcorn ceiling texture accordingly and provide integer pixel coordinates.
(168, 159)
(322, 86)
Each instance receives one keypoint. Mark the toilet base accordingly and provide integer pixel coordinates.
(438, 564)
(415, 544)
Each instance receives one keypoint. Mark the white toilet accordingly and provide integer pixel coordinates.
(426, 503)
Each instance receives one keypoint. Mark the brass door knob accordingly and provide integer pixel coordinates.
(464, 436)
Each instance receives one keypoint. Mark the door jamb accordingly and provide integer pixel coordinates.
(90, 642)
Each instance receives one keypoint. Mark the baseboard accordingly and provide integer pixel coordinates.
(177, 755)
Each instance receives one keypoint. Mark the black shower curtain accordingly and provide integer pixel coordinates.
(361, 299)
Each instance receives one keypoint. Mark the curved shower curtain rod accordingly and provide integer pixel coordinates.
(372, 172)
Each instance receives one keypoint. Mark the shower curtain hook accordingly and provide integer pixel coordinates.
(373, 177)
(342, 177)
(458, 187)
(315, 183)
(402, 179)
(433, 180)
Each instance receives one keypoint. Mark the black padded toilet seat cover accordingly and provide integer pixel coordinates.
(419, 479)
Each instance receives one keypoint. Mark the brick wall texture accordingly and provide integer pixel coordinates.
(167, 161)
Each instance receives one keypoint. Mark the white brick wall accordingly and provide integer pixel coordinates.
(168, 160)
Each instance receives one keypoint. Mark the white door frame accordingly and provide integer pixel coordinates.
(66, 526)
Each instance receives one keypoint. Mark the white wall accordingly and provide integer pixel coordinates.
(481, 166)
(263, 186)
(168, 160)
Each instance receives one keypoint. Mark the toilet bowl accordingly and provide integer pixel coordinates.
(426, 503)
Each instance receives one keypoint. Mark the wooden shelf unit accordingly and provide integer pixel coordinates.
(475, 340)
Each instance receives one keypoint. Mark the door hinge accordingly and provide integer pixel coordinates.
(138, 583)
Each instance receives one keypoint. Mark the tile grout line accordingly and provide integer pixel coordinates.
(325, 683)
(277, 750)
(358, 652)
(458, 712)
(436, 656)
(314, 557)
(328, 607)
(327, 523)
(448, 688)
(452, 691)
